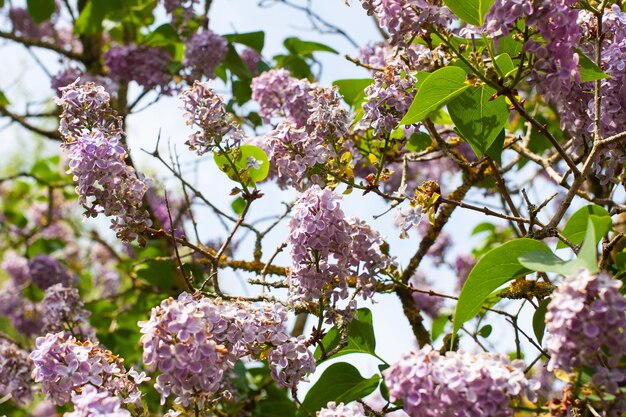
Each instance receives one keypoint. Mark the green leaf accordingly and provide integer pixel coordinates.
(233, 62)
(238, 164)
(478, 118)
(485, 331)
(587, 255)
(4, 101)
(539, 319)
(440, 87)
(40, 10)
(542, 261)
(254, 40)
(361, 337)
(471, 11)
(484, 227)
(300, 47)
(419, 141)
(238, 205)
(162, 36)
(576, 226)
(438, 326)
(495, 268)
(353, 90)
(89, 21)
(589, 71)
(341, 383)
(504, 63)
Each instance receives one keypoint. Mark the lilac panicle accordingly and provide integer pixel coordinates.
(206, 112)
(15, 370)
(146, 65)
(333, 409)
(458, 384)
(45, 271)
(586, 327)
(63, 310)
(204, 52)
(97, 159)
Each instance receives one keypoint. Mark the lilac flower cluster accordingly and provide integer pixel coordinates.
(90, 402)
(457, 383)
(428, 304)
(106, 183)
(205, 110)
(291, 361)
(586, 326)
(204, 52)
(314, 121)
(63, 364)
(577, 104)
(418, 57)
(463, 265)
(405, 19)
(329, 250)
(556, 66)
(24, 25)
(195, 341)
(181, 10)
(45, 271)
(340, 410)
(252, 59)
(388, 98)
(15, 370)
(17, 267)
(63, 310)
(146, 65)
(24, 314)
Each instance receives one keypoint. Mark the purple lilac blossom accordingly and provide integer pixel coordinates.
(97, 158)
(291, 361)
(25, 315)
(314, 121)
(24, 25)
(63, 310)
(428, 304)
(333, 409)
(406, 19)
(388, 98)
(586, 326)
(252, 59)
(204, 52)
(463, 264)
(15, 370)
(45, 271)
(147, 66)
(281, 95)
(327, 249)
(91, 402)
(195, 342)
(17, 268)
(68, 75)
(457, 384)
(63, 364)
(206, 112)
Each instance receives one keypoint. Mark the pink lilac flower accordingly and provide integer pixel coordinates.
(15, 370)
(45, 271)
(586, 327)
(92, 402)
(457, 383)
(146, 65)
(195, 342)
(205, 111)
(252, 59)
(327, 249)
(333, 409)
(405, 19)
(291, 361)
(62, 365)
(428, 304)
(204, 52)
(63, 310)
(97, 158)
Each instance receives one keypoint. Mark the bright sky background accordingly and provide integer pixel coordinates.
(20, 78)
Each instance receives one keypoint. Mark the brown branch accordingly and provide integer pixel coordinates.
(28, 42)
(54, 135)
